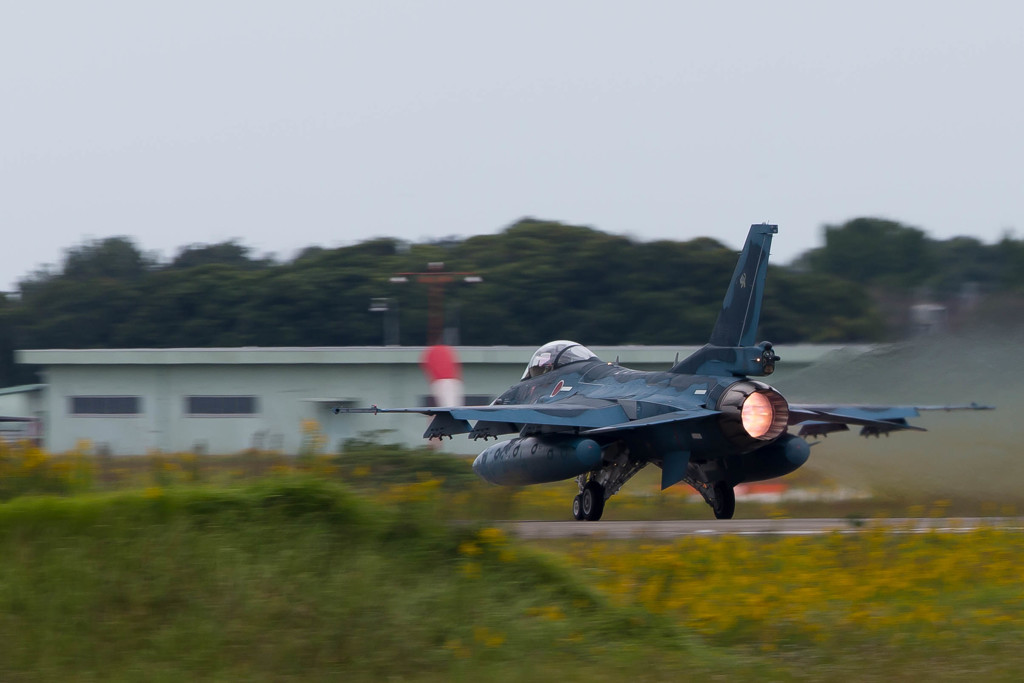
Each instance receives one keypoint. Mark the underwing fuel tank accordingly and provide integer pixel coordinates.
(775, 460)
(537, 459)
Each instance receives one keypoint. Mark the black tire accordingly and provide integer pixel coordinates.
(577, 508)
(593, 501)
(725, 501)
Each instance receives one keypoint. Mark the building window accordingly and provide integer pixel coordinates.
(106, 405)
(221, 405)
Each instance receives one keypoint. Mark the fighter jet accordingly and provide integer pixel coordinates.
(704, 421)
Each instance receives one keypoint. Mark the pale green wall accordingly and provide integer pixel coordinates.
(292, 385)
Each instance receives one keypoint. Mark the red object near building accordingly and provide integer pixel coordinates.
(440, 362)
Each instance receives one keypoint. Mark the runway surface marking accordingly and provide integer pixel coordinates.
(757, 527)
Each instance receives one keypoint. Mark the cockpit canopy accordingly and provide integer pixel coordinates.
(556, 354)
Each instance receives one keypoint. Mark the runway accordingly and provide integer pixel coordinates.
(755, 527)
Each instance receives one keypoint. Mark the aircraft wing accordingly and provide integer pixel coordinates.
(493, 420)
(675, 416)
(873, 420)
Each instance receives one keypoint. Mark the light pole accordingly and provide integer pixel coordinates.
(389, 309)
(435, 278)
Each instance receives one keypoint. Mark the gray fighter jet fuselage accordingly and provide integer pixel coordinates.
(704, 421)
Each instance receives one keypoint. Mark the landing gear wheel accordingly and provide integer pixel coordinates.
(577, 508)
(725, 501)
(592, 500)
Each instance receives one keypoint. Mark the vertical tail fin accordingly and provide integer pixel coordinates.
(741, 309)
(731, 349)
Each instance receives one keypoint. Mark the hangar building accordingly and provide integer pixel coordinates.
(227, 400)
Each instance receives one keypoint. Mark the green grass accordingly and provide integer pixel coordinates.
(297, 579)
(385, 472)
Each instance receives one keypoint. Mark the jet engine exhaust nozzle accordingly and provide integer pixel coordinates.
(757, 415)
(753, 413)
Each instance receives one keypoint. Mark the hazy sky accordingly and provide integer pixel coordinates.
(289, 124)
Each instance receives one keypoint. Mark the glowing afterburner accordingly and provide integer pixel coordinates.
(757, 415)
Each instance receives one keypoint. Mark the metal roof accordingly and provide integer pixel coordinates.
(364, 355)
(22, 389)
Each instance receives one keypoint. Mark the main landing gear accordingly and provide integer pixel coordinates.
(724, 500)
(719, 495)
(589, 503)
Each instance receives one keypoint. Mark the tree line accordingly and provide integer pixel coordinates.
(541, 280)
